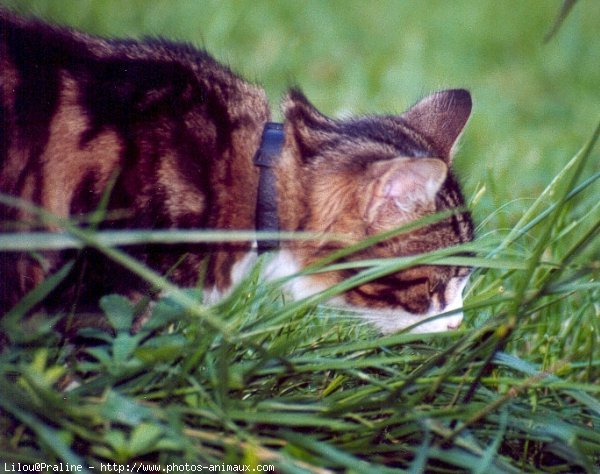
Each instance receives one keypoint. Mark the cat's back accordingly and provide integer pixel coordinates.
(166, 124)
(31, 49)
(113, 98)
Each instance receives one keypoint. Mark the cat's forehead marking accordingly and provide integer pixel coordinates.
(390, 131)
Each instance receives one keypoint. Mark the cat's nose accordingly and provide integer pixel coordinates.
(453, 325)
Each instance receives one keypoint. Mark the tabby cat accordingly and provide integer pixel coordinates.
(174, 133)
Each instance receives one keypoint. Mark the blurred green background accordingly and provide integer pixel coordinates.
(534, 103)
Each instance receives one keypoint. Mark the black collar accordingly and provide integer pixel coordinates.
(267, 218)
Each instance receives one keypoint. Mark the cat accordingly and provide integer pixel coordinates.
(173, 134)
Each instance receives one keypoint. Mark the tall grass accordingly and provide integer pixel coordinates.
(260, 380)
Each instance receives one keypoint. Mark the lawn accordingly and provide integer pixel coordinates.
(258, 380)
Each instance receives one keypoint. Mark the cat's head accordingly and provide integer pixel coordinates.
(360, 177)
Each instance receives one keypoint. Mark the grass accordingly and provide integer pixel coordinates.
(260, 380)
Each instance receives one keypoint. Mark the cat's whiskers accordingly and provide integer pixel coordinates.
(393, 320)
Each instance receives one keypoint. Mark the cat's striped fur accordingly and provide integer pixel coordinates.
(178, 132)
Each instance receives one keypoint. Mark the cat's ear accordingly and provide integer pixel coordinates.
(310, 128)
(402, 189)
(441, 117)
